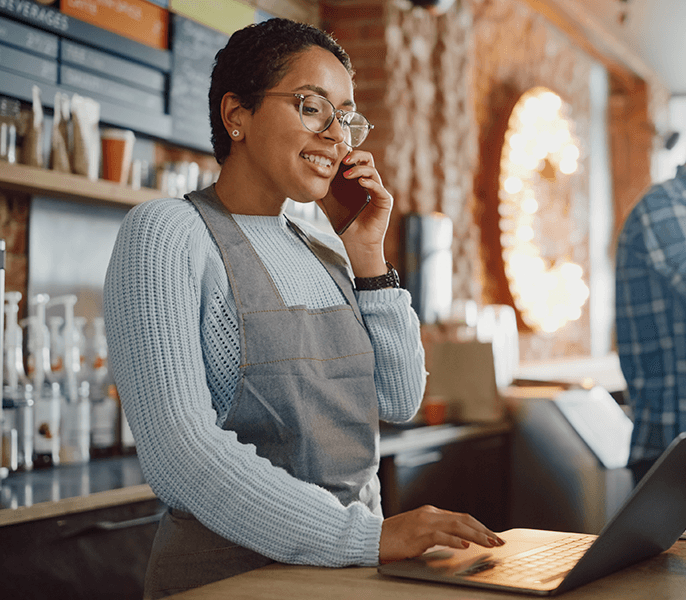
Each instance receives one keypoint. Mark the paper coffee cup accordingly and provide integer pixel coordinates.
(434, 410)
(117, 150)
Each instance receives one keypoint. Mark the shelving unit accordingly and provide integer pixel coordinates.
(44, 182)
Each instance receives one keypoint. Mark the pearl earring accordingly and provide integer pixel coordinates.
(235, 132)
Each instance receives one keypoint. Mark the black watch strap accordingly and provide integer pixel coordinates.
(389, 280)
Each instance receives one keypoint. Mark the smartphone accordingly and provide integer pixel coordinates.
(345, 201)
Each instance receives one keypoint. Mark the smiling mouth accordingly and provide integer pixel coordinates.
(317, 160)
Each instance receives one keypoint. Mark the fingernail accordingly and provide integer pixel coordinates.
(501, 541)
(347, 159)
(465, 544)
(347, 173)
(492, 542)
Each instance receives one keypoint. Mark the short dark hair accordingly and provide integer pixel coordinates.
(253, 61)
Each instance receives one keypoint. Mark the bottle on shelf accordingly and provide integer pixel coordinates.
(72, 353)
(56, 347)
(46, 437)
(14, 375)
(97, 363)
(104, 407)
(80, 343)
(38, 343)
(17, 395)
(127, 441)
(39, 375)
(17, 431)
(25, 421)
(104, 425)
(75, 430)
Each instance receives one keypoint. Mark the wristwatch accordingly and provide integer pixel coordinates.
(389, 280)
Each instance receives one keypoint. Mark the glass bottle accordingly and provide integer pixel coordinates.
(76, 427)
(46, 438)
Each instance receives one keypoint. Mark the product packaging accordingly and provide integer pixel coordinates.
(59, 149)
(85, 114)
(10, 110)
(31, 131)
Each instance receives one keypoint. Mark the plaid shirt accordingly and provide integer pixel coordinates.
(651, 315)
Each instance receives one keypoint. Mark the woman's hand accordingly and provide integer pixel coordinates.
(364, 238)
(411, 533)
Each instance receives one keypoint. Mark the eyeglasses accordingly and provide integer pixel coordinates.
(317, 114)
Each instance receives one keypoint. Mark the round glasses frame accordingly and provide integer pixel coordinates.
(343, 116)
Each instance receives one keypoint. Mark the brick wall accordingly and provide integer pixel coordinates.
(517, 49)
(631, 141)
(14, 218)
(440, 90)
(413, 73)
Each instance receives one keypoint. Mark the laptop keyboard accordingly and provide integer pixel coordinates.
(542, 564)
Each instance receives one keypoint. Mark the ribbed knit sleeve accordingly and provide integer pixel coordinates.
(400, 373)
(155, 294)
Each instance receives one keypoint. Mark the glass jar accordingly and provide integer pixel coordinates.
(9, 119)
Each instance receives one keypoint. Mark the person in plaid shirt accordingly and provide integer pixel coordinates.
(651, 318)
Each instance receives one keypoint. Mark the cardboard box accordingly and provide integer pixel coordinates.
(463, 374)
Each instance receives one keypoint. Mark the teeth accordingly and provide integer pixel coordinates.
(317, 160)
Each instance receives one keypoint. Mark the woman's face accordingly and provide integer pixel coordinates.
(286, 160)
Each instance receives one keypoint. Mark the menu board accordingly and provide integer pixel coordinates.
(193, 50)
(29, 38)
(51, 20)
(136, 19)
(160, 93)
(85, 57)
(24, 62)
(130, 85)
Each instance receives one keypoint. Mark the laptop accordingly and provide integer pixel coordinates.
(545, 563)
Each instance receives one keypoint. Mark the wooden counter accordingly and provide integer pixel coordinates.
(81, 529)
(660, 578)
(68, 506)
(77, 530)
(71, 489)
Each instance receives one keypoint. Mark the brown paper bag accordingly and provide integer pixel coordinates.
(85, 113)
(59, 148)
(31, 131)
(463, 374)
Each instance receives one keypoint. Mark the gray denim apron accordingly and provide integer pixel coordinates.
(306, 399)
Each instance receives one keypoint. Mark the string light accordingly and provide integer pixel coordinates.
(540, 143)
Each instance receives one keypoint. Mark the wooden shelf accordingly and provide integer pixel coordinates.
(44, 182)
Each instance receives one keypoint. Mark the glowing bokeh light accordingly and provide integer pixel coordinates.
(547, 293)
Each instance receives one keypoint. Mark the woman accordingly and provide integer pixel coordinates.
(255, 356)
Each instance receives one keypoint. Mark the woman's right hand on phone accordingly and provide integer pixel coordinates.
(412, 533)
(364, 238)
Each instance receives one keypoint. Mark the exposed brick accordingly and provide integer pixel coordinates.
(430, 84)
(341, 14)
(14, 213)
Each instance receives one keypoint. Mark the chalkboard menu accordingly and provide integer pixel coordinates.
(193, 51)
(159, 93)
(51, 20)
(40, 46)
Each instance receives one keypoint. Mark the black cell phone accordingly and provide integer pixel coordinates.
(345, 201)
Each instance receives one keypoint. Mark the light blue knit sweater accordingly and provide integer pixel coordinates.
(174, 352)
